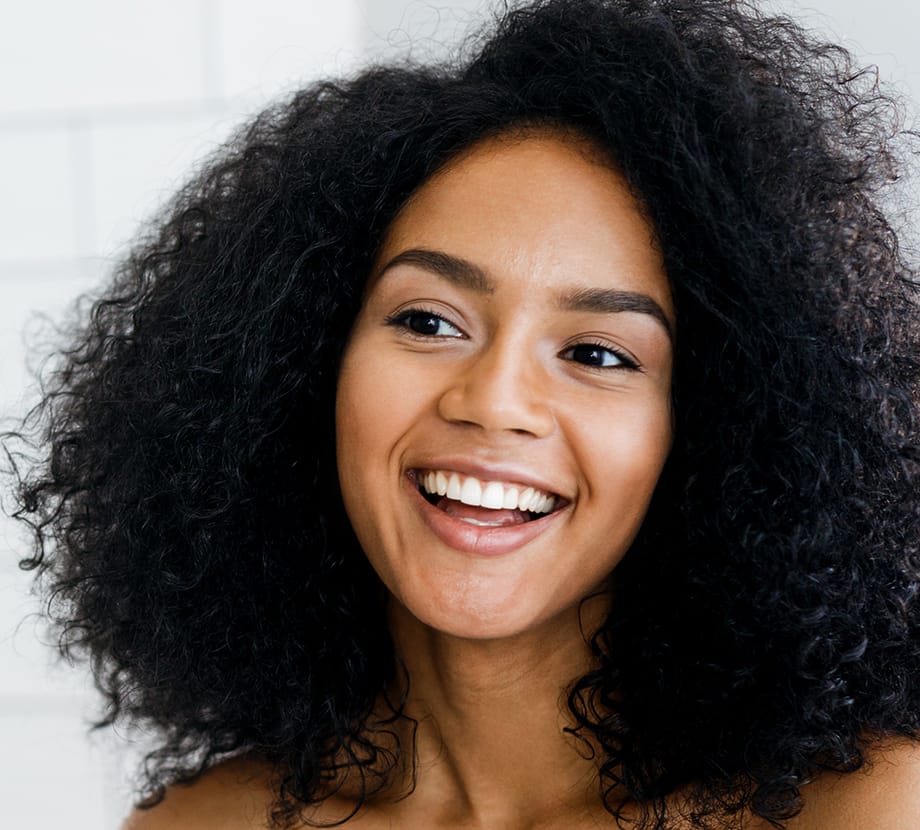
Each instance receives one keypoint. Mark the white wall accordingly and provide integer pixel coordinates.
(103, 106)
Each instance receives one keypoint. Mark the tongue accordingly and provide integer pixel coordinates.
(481, 514)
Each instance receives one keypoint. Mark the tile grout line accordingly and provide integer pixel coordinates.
(140, 113)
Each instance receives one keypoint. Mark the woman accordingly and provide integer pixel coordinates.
(619, 526)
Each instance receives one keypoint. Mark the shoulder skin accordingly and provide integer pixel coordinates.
(884, 795)
(234, 795)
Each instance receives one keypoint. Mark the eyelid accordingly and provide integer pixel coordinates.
(399, 318)
(401, 315)
(627, 361)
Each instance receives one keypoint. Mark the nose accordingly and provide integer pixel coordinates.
(499, 389)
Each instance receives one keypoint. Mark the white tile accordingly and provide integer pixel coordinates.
(32, 303)
(883, 33)
(426, 30)
(32, 678)
(37, 194)
(57, 55)
(50, 773)
(137, 166)
(273, 45)
(121, 760)
(15, 545)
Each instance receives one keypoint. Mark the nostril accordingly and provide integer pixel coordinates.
(497, 403)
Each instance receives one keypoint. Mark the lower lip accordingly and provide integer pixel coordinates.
(483, 541)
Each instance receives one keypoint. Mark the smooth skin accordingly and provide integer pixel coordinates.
(518, 319)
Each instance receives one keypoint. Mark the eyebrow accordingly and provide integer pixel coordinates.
(611, 301)
(459, 272)
(465, 274)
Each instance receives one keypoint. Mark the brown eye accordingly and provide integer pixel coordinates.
(424, 323)
(597, 356)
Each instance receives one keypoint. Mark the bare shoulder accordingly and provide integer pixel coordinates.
(234, 795)
(884, 795)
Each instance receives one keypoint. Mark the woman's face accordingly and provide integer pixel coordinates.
(503, 408)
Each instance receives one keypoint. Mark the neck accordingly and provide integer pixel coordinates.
(491, 714)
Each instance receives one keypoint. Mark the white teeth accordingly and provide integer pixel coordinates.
(525, 499)
(471, 492)
(495, 495)
(482, 524)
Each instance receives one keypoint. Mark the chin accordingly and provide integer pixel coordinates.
(471, 613)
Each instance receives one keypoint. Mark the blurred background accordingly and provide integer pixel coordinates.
(105, 106)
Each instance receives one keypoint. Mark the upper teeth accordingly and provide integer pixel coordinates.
(497, 495)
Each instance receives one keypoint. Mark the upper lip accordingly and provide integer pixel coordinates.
(487, 471)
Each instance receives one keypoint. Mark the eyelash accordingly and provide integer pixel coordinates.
(401, 320)
(625, 362)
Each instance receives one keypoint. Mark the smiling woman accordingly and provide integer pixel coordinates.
(488, 376)
(525, 442)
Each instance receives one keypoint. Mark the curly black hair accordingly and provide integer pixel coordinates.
(183, 496)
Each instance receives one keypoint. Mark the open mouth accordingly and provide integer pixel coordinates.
(484, 503)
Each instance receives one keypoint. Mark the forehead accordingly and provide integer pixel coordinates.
(543, 206)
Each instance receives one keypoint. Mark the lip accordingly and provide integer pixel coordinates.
(473, 539)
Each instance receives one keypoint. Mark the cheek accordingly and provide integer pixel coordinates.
(358, 435)
(625, 453)
(361, 413)
(374, 410)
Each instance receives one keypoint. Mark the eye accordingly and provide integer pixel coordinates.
(598, 356)
(423, 323)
